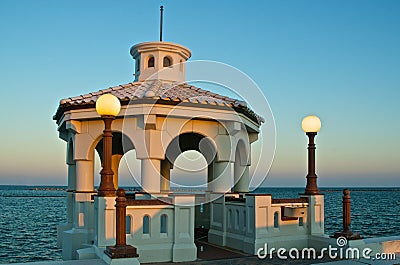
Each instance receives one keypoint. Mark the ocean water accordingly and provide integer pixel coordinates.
(29, 217)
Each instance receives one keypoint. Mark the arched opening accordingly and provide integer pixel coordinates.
(137, 70)
(129, 171)
(181, 65)
(164, 224)
(189, 170)
(128, 224)
(241, 168)
(150, 61)
(190, 156)
(167, 61)
(121, 144)
(146, 225)
(276, 220)
(97, 169)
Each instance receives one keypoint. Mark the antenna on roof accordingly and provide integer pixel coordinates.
(161, 21)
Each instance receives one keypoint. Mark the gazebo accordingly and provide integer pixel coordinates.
(162, 116)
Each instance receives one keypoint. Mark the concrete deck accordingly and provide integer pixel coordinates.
(250, 260)
(209, 254)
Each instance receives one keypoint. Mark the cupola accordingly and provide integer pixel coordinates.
(160, 60)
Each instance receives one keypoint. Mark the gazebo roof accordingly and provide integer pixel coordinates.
(163, 92)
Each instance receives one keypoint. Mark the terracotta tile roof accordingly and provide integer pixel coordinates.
(157, 89)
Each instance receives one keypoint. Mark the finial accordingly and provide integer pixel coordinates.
(161, 21)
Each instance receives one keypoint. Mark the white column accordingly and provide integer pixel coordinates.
(315, 214)
(184, 248)
(84, 175)
(70, 204)
(223, 176)
(242, 183)
(151, 175)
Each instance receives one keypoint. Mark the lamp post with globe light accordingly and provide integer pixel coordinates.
(108, 107)
(311, 126)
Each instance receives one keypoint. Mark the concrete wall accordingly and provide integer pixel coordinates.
(249, 223)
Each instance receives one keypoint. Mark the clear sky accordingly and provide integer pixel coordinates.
(338, 59)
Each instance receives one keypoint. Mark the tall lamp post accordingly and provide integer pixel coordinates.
(311, 126)
(108, 107)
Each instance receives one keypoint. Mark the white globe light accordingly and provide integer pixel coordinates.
(108, 105)
(311, 124)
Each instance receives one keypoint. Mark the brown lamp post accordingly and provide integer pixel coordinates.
(311, 126)
(108, 107)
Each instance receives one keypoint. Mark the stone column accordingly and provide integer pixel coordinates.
(315, 214)
(223, 176)
(184, 248)
(70, 204)
(217, 232)
(82, 229)
(151, 175)
(84, 176)
(241, 184)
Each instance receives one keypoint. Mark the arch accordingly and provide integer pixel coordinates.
(121, 144)
(301, 221)
(129, 170)
(128, 224)
(242, 150)
(180, 144)
(163, 224)
(276, 219)
(167, 61)
(146, 225)
(241, 168)
(191, 163)
(137, 70)
(150, 61)
(181, 65)
(191, 141)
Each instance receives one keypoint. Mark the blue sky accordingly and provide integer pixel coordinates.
(337, 59)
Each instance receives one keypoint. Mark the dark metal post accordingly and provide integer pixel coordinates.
(161, 21)
(311, 187)
(106, 184)
(120, 206)
(346, 202)
(346, 211)
(121, 249)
